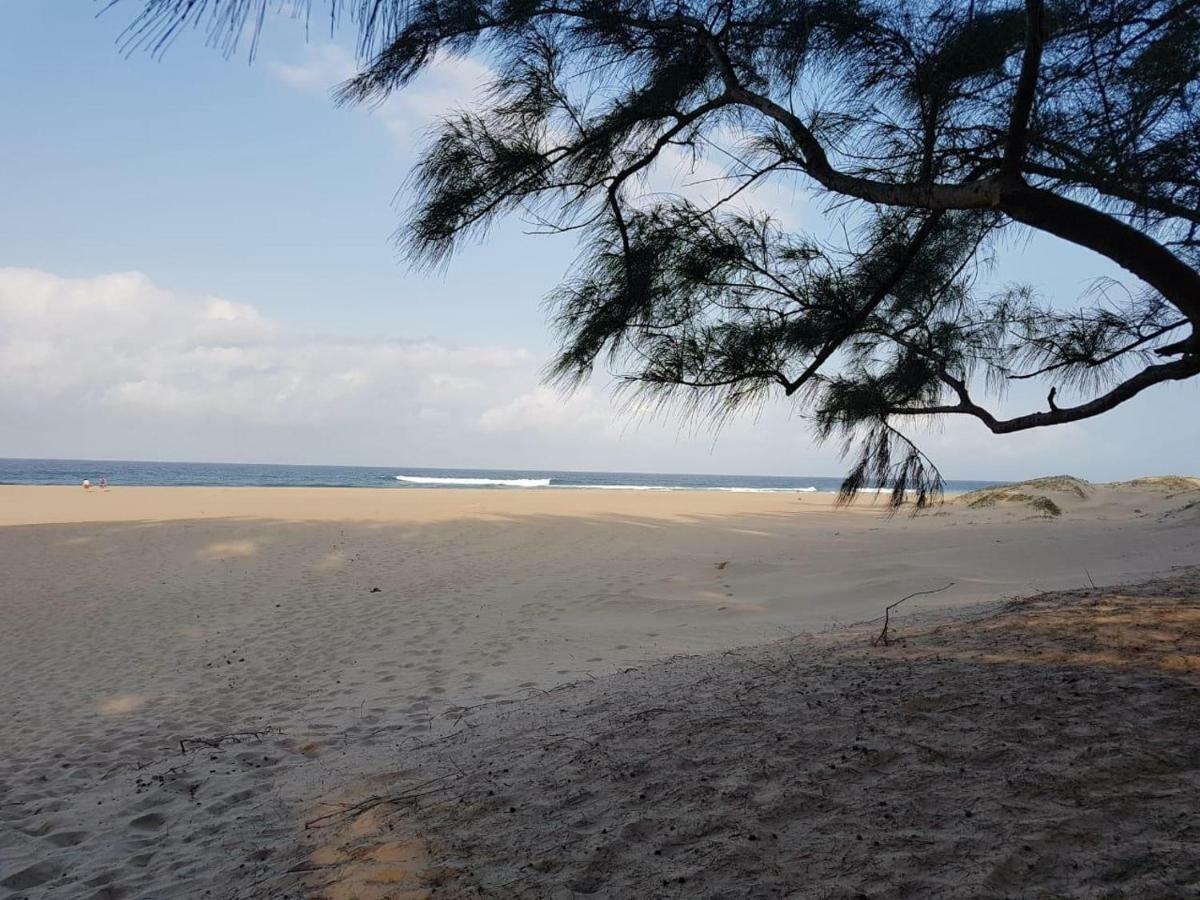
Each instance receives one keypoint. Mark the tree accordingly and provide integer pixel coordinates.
(933, 128)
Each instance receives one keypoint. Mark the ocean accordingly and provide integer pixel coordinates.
(123, 472)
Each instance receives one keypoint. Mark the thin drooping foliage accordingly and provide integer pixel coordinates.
(934, 128)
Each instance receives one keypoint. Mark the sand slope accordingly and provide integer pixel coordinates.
(1046, 749)
(295, 629)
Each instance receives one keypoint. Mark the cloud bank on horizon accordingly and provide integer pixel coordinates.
(121, 346)
(117, 366)
(121, 342)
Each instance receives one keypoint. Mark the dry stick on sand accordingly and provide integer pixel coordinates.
(354, 809)
(882, 637)
(235, 737)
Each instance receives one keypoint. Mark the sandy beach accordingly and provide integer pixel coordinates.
(191, 674)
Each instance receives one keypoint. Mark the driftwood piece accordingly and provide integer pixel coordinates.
(883, 638)
(232, 737)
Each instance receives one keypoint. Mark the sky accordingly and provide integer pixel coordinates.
(197, 263)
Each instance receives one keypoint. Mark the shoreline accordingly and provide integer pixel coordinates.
(70, 473)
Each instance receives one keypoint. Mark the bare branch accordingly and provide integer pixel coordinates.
(1179, 370)
(1031, 62)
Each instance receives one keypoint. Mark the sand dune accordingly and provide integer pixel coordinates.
(1056, 494)
(285, 635)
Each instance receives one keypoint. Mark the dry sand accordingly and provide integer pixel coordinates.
(325, 644)
(1047, 749)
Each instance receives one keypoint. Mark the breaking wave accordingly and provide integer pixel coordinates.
(475, 482)
(431, 481)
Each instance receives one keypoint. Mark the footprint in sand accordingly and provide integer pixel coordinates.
(67, 838)
(148, 822)
(33, 876)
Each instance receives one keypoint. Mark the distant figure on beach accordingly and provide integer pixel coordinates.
(87, 485)
(103, 483)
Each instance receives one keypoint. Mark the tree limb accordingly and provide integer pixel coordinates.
(1031, 62)
(1126, 390)
(877, 297)
(1107, 357)
(1155, 264)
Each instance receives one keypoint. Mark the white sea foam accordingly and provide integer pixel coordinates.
(752, 490)
(684, 487)
(476, 482)
(545, 482)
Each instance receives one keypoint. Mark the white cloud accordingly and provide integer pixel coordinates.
(547, 411)
(447, 83)
(115, 365)
(122, 343)
(220, 310)
(323, 67)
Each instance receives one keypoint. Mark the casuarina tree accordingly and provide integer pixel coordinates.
(932, 130)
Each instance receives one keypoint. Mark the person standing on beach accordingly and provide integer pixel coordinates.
(104, 482)
(87, 485)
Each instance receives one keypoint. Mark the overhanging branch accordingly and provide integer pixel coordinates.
(1031, 62)
(1179, 370)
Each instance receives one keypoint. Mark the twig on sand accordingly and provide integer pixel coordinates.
(950, 709)
(233, 737)
(883, 637)
(371, 802)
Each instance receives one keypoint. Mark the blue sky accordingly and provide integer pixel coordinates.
(198, 265)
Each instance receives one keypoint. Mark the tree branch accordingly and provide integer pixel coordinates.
(1179, 370)
(1106, 358)
(877, 297)
(1031, 63)
(1116, 190)
(1125, 245)
(1149, 260)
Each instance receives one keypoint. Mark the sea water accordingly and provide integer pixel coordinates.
(119, 472)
